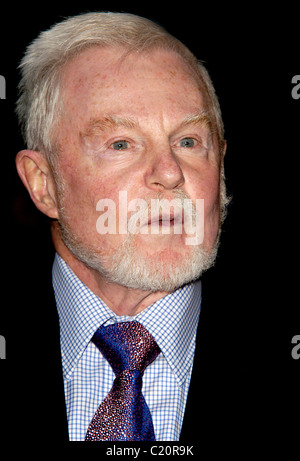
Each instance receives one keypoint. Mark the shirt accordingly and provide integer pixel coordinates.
(87, 375)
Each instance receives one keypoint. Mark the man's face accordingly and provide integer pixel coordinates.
(135, 125)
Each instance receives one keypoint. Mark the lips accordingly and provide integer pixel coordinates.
(160, 216)
(164, 219)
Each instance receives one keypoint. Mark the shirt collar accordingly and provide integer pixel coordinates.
(172, 320)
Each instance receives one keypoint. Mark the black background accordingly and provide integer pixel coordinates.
(250, 298)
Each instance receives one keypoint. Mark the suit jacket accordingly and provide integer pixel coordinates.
(36, 407)
(223, 400)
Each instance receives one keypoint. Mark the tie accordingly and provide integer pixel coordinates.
(124, 413)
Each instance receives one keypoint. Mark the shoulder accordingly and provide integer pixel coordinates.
(34, 380)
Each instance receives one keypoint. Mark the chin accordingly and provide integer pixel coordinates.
(164, 270)
(134, 265)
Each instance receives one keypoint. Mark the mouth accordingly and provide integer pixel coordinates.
(165, 222)
(161, 217)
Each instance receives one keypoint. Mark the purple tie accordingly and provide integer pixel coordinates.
(124, 413)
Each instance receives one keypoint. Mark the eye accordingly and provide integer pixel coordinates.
(187, 142)
(120, 145)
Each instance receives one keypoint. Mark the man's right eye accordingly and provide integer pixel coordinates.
(120, 145)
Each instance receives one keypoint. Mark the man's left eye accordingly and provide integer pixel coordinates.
(187, 142)
(120, 145)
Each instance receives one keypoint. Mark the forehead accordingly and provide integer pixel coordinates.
(109, 79)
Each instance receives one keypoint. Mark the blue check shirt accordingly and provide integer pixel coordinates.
(88, 377)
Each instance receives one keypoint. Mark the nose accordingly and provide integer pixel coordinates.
(164, 171)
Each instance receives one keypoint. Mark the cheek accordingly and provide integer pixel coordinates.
(212, 212)
(85, 201)
(212, 195)
(85, 184)
(206, 185)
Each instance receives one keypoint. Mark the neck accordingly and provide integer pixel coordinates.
(121, 300)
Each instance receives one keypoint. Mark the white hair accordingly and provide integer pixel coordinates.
(39, 106)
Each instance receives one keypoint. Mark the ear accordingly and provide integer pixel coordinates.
(36, 176)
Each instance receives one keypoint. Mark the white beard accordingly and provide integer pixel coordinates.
(129, 267)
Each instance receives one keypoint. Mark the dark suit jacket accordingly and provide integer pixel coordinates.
(36, 408)
(228, 402)
(35, 385)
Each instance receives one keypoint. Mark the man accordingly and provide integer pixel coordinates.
(125, 149)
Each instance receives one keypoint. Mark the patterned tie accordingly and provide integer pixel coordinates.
(124, 413)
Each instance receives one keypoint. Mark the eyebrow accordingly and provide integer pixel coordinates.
(202, 118)
(112, 121)
(107, 122)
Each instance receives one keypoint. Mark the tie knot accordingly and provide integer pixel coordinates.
(126, 346)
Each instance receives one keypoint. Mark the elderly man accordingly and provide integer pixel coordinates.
(125, 149)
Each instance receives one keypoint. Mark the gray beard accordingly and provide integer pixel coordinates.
(129, 268)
